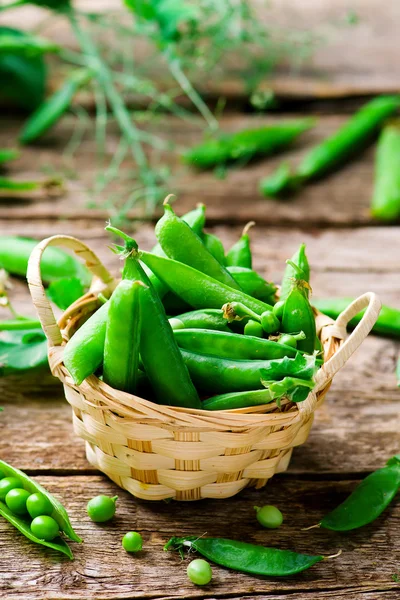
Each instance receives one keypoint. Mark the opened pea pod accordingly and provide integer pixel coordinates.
(34, 511)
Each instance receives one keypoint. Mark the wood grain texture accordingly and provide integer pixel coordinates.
(342, 199)
(370, 67)
(103, 570)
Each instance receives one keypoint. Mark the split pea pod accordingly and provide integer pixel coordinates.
(55, 264)
(54, 509)
(274, 391)
(50, 111)
(216, 375)
(246, 144)
(122, 340)
(196, 288)
(385, 204)
(231, 345)
(253, 284)
(180, 243)
(370, 498)
(333, 152)
(162, 361)
(387, 324)
(292, 274)
(240, 253)
(247, 558)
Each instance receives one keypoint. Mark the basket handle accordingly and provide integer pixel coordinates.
(339, 359)
(36, 288)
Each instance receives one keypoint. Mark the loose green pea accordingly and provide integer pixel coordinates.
(269, 516)
(253, 328)
(7, 484)
(45, 528)
(16, 500)
(101, 508)
(278, 309)
(288, 340)
(199, 571)
(38, 505)
(132, 541)
(269, 322)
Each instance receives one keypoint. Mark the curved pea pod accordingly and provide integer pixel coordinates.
(298, 315)
(56, 264)
(59, 513)
(253, 284)
(292, 274)
(370, 498)
(208, 318)
(388, 323)
(213, 374)
(180, 243)
(231, 345)
(48, 113)
(246, 144)
(196, 288)
(274, 392)
(240, 253)
(215, 247)
(355, 134)
(122, 339)
(247, 558)
(385, 204)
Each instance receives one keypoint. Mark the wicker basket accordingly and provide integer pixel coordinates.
(157, 452)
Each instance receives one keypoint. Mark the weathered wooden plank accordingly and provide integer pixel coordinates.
(341, 199)
(370, 67)
(102, 569)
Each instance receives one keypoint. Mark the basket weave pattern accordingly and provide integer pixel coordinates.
(158, 452)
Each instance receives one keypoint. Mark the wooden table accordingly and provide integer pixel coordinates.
(354, 432)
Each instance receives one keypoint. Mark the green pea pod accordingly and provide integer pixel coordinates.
(292, 274)
(246, 144)
(180, 243)
(7, 154)
(336, 149)
(298, 315)
(159, 351)
(231, 345)
(370, 498)
(385, 204)
(53, 109)
(19, 324)
(196, 288)
(253, 284)
(274, 391)
(18, 186)
(387, 324)
(247, 558)
(208, 318)
(122, 340)
(216, 375)
(59, 513)
(240, 253)
(84, 352)
(214, 246)
(56, 264)
(28, 45)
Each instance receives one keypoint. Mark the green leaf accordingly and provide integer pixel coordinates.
(21, 351)
(63, 292)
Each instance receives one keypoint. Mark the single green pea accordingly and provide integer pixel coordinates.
(288, 340)
(16, 500)
(38, 505)
(269, 322)
(269, 516)
(101, 508)
(253, 328)
(132, 541)
(199, 571)
(45, 528)
(7, 484)
(278, 309)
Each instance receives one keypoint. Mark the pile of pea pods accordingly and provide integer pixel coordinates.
(192, 326)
